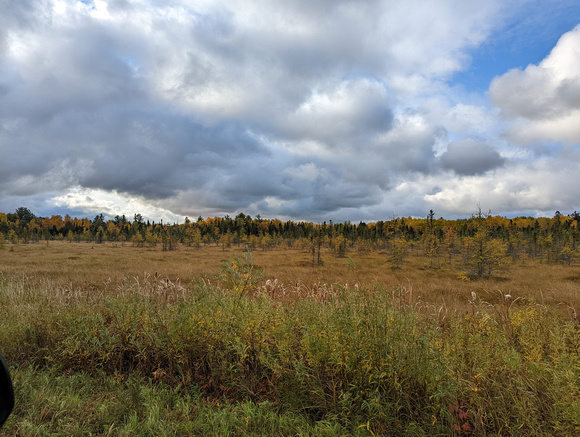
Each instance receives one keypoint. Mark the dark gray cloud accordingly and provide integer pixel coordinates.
(470, 157)
(144, 152)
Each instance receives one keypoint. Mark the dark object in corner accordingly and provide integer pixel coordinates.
(6, 392)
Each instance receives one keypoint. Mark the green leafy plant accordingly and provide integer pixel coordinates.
(239, 274)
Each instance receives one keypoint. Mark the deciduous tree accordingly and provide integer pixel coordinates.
(484, 254)
(398, 246)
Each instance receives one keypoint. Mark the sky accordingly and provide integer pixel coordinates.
(309, 110)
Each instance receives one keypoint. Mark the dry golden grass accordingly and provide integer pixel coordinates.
(90, 266)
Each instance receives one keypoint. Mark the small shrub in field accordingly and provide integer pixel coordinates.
(239, 274)
(483, 255)
(398, 247)
(12, 237)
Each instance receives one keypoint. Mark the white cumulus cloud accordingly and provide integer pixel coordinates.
(545, 98)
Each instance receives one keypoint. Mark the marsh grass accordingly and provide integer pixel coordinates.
(169, 353)
(53, 404)
(92, 268)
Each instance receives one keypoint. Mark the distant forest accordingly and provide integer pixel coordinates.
(554, 239)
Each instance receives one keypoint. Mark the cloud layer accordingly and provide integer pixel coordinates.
(299, 109)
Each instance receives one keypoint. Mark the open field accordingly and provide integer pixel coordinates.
(112, 339)
(90, 266)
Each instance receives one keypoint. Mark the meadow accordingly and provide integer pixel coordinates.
(118, 339)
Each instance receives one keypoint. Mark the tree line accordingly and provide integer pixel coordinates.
(484, 240)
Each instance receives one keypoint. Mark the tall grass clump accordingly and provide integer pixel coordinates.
(362, 359)
(352, 360)
(516, 367)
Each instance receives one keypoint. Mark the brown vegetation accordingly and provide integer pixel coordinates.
(94, 267)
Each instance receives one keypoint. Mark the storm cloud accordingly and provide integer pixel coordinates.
(470, 157)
